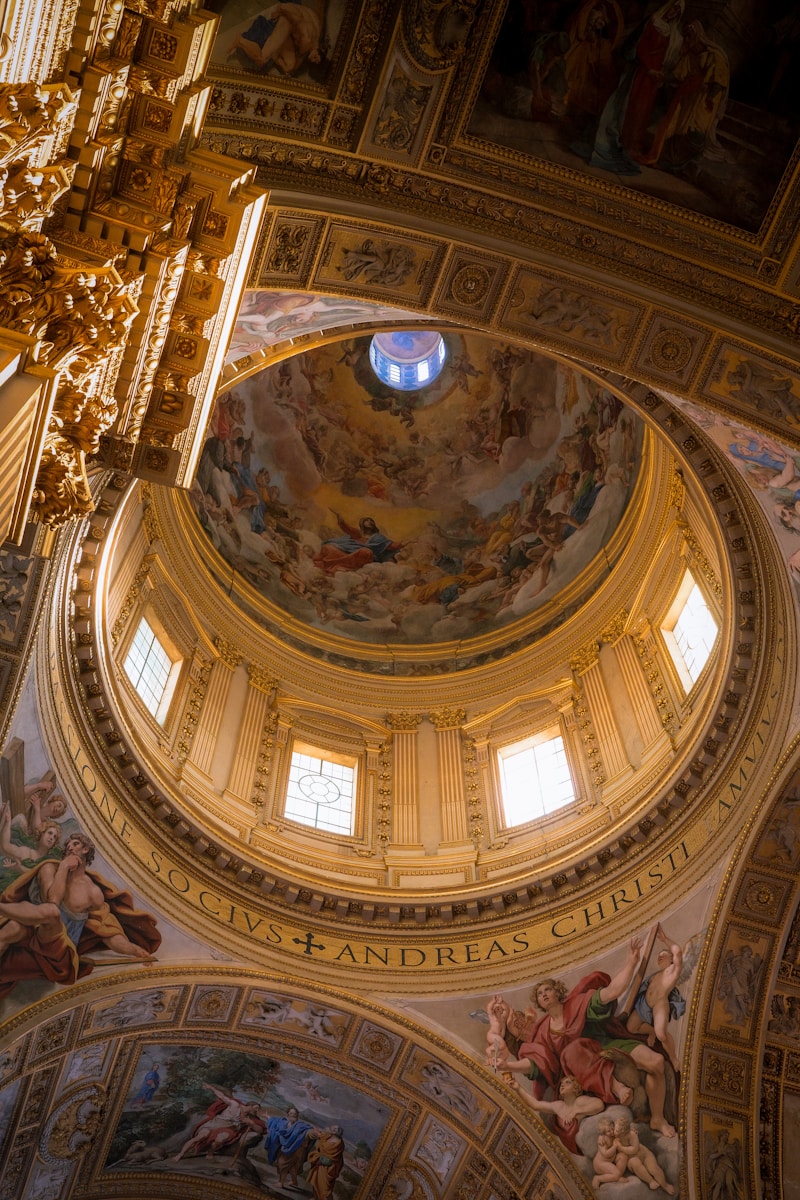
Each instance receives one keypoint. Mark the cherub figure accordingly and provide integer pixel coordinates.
(606, 1166)
(637, 1158)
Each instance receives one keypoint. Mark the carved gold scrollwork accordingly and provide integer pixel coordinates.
(76, 320)
(615, 627)
(403, 720)
(447, 718)
(228, 653)
(436, 31)
(584, 658)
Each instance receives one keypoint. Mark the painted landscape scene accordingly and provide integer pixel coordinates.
(246, 1119)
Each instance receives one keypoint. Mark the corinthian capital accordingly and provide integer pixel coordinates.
(403, 720)
(447, 718)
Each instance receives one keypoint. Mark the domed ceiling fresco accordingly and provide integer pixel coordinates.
(415, 517)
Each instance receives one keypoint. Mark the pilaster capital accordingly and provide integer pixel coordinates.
(585, 658)
(403, 721)
(261, 679)
(227, 653)
(615, 629)
(447, 717)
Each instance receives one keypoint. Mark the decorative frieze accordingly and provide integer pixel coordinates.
(473, 790)
(701, 561)
(199, 671)
(588, 737)
(384, 790)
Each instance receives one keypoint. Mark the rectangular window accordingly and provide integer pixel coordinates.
(692, 636)
(535, 778)
(148, 667)
(320, 792)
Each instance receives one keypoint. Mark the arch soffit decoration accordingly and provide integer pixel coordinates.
(94, 1037)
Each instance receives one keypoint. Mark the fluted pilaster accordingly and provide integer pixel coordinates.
(216, 698)
(405, 781)
(245, 758)
(452, 792)
(644, 707)
(611, 747)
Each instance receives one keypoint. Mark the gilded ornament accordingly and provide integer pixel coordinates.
(163, 45)
(447, 718)
(227, 653)
(615, 628)
(677, 490)
(260, 678)
(701, 560)
(585, 658)
(365, 46)
(376, 1046)
(200, 674)
(286, 252)
(215, 225)
(437, 30)
(725, 1075)
(470, 284)
(761, 897)
(399, 119)
(670, 350)
(403, 720)
(380, 264)
(71, 1130)
(155, 460)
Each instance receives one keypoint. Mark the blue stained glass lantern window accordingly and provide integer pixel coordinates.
(407, 359)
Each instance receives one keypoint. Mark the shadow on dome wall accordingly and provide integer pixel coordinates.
(415, 517)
